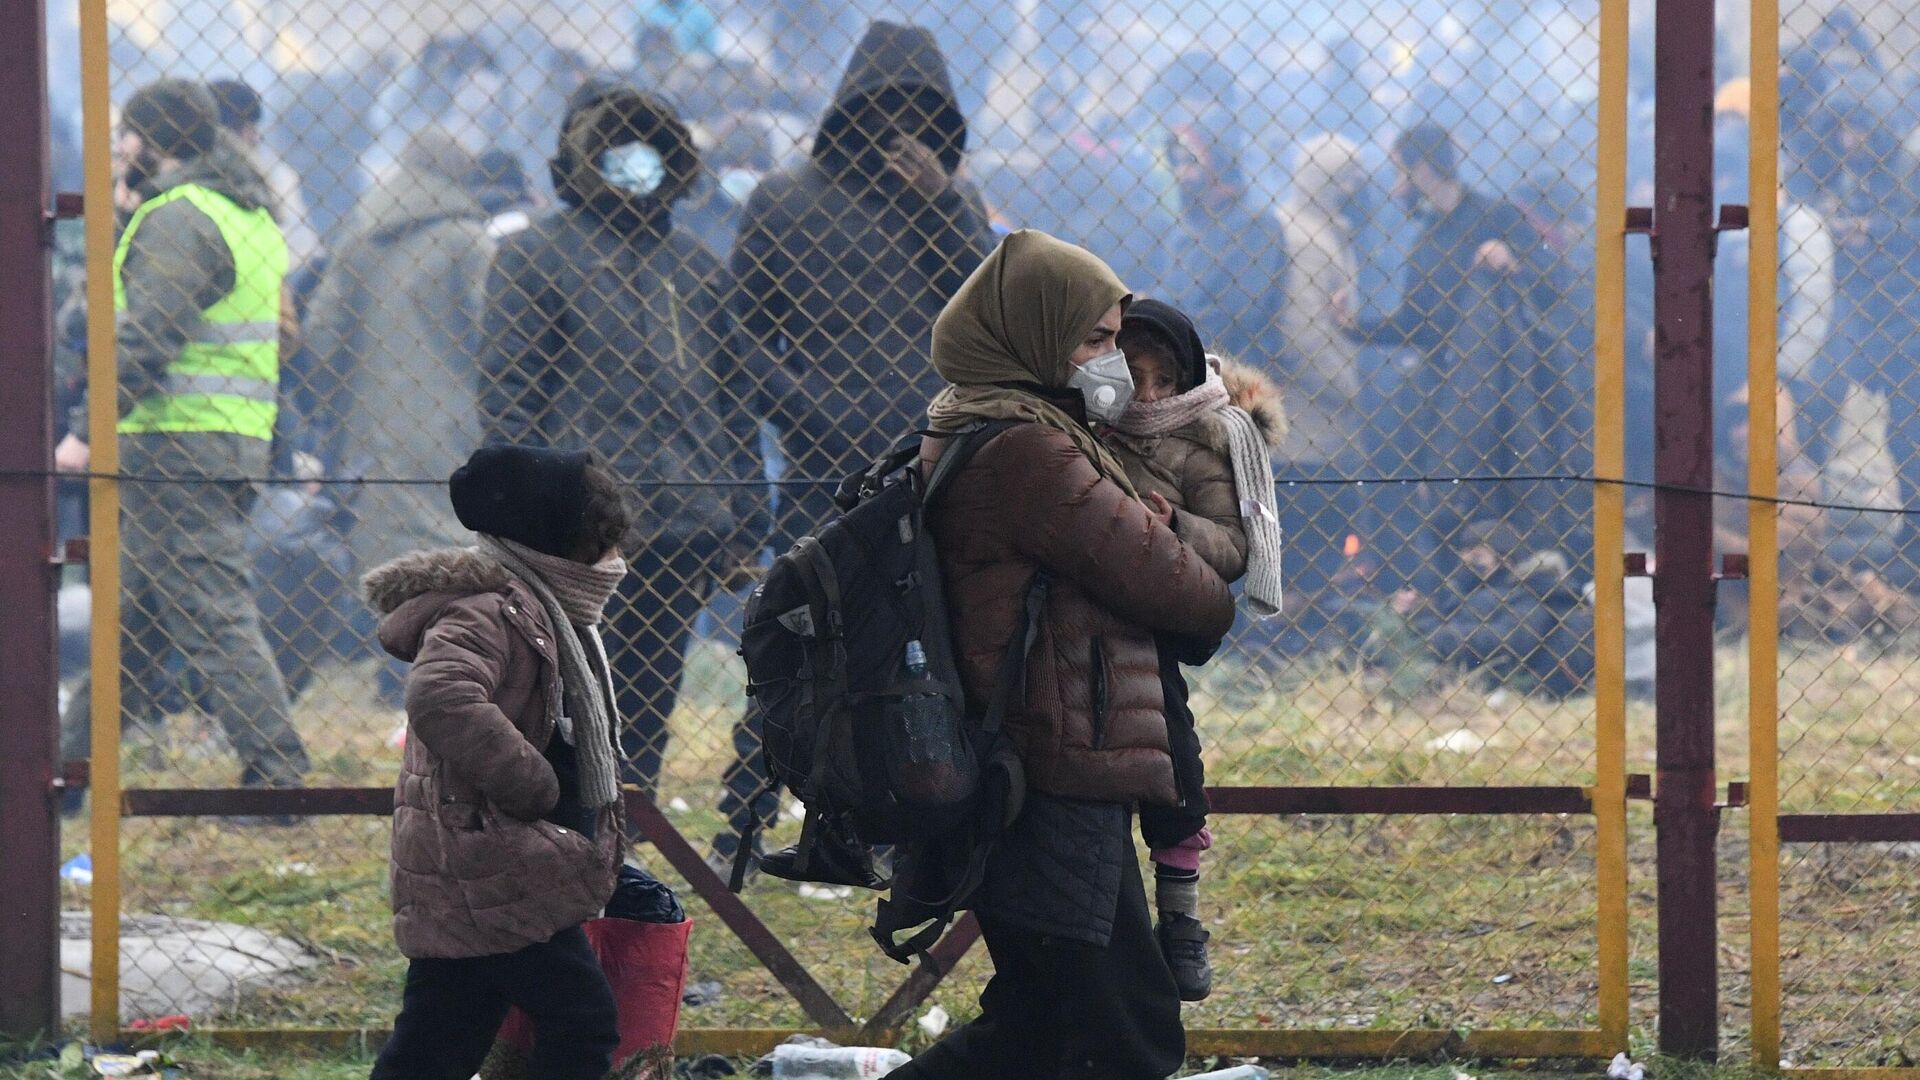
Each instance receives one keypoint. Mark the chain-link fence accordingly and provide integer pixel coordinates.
(708, 241)
(1846, 587)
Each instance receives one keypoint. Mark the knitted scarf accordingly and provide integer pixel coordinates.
(1252, 477)
(574, 595)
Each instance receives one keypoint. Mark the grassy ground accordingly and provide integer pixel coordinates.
(1318, 922)
(205, 1062)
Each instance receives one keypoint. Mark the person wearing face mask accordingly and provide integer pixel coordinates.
(198, 278)
(604, 328)
(1080, 988)
(1494, 381)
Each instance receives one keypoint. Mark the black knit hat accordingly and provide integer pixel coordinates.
(1176, 331)
(532, 497)
(176, 117)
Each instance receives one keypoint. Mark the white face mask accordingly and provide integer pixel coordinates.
(635, 168)
(1106, 384)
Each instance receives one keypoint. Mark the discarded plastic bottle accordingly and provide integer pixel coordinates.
(836, 1063)
(1238, 1072)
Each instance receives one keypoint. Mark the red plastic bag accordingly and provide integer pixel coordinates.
(646, 963)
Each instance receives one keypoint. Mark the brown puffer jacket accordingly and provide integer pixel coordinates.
(475, 870)
(1093, 725)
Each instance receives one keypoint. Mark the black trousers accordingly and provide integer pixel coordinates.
(1061, 1010)
(452, 1010)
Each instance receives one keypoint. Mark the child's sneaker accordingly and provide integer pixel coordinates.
(1183, 941)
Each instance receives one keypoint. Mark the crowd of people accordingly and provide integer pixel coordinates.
(722, 277)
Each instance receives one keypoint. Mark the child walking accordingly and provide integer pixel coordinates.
(505, 826)
(1196, 444)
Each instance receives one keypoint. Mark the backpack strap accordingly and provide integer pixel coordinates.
(893, 916)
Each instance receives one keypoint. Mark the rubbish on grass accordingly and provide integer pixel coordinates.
(678, 805)
(1238, 1072)
(835, 1063)
(810, 891)
(701, 993)
(935, 1022)
(173, 1022)
(1463, 741)
(1503, 978)
(78, 870)
(1624, 1068)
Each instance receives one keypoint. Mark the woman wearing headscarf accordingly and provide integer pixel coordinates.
(1080, 987)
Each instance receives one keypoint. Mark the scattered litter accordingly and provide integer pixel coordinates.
(78, 870)
(678, 805)
(1463, 741)
(790, 1062)
(175, 1022)
(1624, 1068)
(935, 1022)
(294, 869)
(119, 1065)
(1458, 1075)
(711, 1067)
(1238, 1072)
(701, 993)
(1503, 978)
(810, 891)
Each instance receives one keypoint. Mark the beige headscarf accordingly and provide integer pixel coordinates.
(1017, 319)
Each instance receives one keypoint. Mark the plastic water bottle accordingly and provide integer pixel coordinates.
(931, 732)
(1238, 1072)
(835, 1063)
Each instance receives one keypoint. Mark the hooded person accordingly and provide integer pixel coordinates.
(198, 283)
(844, 260)
(1079, 987)
(506, 821)
(395, 319)
(1230, 264)
(604, 329)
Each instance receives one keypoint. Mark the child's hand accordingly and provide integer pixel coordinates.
(1160, 508)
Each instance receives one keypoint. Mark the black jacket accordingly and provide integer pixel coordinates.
(840, 270)
(606, 328)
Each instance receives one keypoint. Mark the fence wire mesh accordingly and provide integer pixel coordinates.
(1846, 408)
(1383, 212)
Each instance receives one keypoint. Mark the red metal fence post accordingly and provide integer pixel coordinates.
(1684, 814)
(29, 828)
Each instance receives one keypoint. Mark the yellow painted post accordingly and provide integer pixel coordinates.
(1609, 527)
(1763, 567)
(103, 414)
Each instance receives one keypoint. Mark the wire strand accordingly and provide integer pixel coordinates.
(805, 482)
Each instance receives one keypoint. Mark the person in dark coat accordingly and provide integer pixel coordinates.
(1230, 257)
(1518, 615)
(844, 260)
(605, 329)
(1495, 390)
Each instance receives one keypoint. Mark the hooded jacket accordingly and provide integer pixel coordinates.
(1192, 468)
(177, 266)
(396, 317)
(475, 869)
(606, 329)
(841, 271)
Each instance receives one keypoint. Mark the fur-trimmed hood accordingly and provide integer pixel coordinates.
(1251, 390)
(411, 591)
